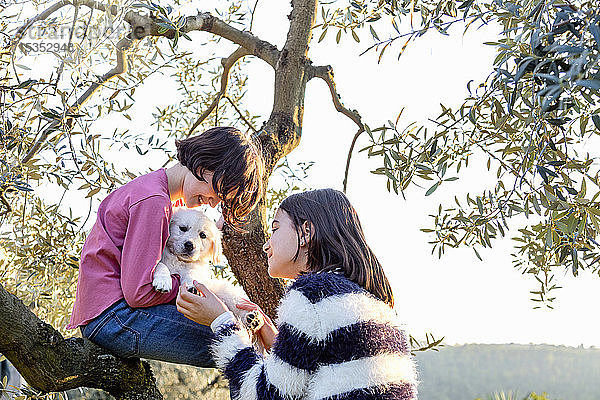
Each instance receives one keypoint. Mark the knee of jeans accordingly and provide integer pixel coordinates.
(114, 335)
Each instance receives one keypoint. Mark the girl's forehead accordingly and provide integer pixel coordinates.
(281, 215)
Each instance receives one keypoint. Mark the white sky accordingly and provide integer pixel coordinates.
(459, 297)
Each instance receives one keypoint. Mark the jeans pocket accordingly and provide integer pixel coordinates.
(114, 335)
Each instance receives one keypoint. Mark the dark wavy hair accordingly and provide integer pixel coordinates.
(237, 164)
(337, 241)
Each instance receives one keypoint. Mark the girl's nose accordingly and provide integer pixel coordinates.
(266, 246)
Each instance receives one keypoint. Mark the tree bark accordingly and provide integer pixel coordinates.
(51, 363)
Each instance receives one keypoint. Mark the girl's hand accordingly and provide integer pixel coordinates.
(267, 333)
(202, 308)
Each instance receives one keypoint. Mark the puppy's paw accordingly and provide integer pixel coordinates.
(162, 281)
(162, 284)
(253, 321)
(192, 289)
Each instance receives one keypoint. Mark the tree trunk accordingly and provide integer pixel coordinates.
(278, 137)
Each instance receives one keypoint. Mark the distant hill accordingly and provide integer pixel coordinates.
(478, 370)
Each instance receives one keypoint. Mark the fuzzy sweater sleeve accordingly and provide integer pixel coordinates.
(252, 376)
(335, 341)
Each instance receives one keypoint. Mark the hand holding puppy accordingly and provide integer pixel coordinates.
(202, 308)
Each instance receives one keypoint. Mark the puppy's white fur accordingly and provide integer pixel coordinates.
(194, 242)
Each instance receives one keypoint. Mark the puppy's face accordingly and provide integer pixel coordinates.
(194, 237)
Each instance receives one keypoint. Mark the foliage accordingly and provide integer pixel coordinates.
(535, 120)
(41, 268)
(534, 396)
(511, 396)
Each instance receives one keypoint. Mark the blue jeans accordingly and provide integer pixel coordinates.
(158, 333)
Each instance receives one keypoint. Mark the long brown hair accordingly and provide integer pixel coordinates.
(337, 239)
(237, 165)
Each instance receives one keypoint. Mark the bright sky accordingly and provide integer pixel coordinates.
(459, 297)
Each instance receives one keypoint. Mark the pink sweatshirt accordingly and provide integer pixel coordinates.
(123, 248)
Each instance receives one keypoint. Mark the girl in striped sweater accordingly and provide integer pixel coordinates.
(337, 335)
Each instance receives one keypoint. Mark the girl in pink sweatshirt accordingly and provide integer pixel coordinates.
(116, 305)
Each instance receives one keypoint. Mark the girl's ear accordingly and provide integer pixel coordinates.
(308, 231)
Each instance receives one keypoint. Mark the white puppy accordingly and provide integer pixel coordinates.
(194, 243)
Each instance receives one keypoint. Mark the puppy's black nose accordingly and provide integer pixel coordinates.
(189, 246)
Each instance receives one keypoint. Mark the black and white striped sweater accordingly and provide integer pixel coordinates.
(335, 341)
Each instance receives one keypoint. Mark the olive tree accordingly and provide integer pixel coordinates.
(50, 144)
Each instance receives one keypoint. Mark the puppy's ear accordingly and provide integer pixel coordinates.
(216, 249)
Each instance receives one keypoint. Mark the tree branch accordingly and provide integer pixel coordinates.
(227, 63)
(283, 129)
(122, 47)
(252, 15)
(145, 25)
(349, 157)
(50, 363)
(40, 17)
(141, 26)
(62, 63)
(236, 108)
(326, 73)
(5, 203)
